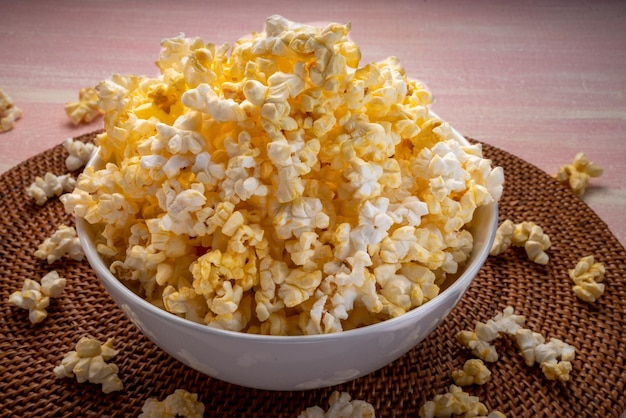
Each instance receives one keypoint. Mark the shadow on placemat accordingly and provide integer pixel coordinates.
(28, 353)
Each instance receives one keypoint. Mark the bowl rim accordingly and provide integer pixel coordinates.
(471, 269)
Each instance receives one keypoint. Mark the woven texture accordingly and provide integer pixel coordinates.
(28, 353)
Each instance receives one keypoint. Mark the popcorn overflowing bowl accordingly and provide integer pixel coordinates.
(281, 217)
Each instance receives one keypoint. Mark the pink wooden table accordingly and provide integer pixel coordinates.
(541, 80)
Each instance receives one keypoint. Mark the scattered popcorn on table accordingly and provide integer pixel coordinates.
(179, 404)
(474, 372)
(505, 322)
(456, 403)
(50, 185)
(79, 153)
(281, 187)
(525, 234)
(62, 243)
(85, 109)
(36, 296)
(576, 175)
(9, 113)
(89, 364)
(530, 343)
(546, 354)
(587, 277)
(341, 405)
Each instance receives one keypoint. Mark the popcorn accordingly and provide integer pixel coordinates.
(456, 403)
(85, 109)
(484, 333)
(546, 354)
(502, 240)
(36, 296)
(89, 364)
(587, 277)
(280, 187)
(79, 153)
(50, 185)
(62, 243)
(531, 344)
(178, 404)
(525, 234)
(9, 113)
(341, 405)
(474, 372)
(577, 174)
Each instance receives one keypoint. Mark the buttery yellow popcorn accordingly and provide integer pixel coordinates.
(474, 372)
(341, 405)
(587, 277)
(456, 403)
(85, 109)
(89, 364)
(9, 113)
(577, 174)
(62, 243)
(178, 404)
(36, 296)
(279, 186)
(49, 186)
(79, 153)
(525, 234)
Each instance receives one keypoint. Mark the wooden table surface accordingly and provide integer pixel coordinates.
(541, 80)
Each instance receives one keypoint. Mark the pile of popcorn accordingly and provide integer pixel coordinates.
(280, 188)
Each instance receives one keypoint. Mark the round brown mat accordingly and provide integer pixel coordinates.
(28, 353)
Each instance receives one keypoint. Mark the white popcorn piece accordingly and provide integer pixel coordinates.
(88, 363)
(36, 296)
(525, 234)
(62, 243)
(588, 276)
(456, 403)
(577, 174)
(527, 340)
(205, 100)
(49, 186)
(503, 237)
(534, 239)
(9, 113)
(505, 322)
(79, 153)
(279, 186)
(85, 109)
(481, 348)
(178, 404)
(554, 357)
(341, 405)
(474, 372)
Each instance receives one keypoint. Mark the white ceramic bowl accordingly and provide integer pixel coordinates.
(293, 362)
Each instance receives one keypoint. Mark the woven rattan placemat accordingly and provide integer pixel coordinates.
(28, 353)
